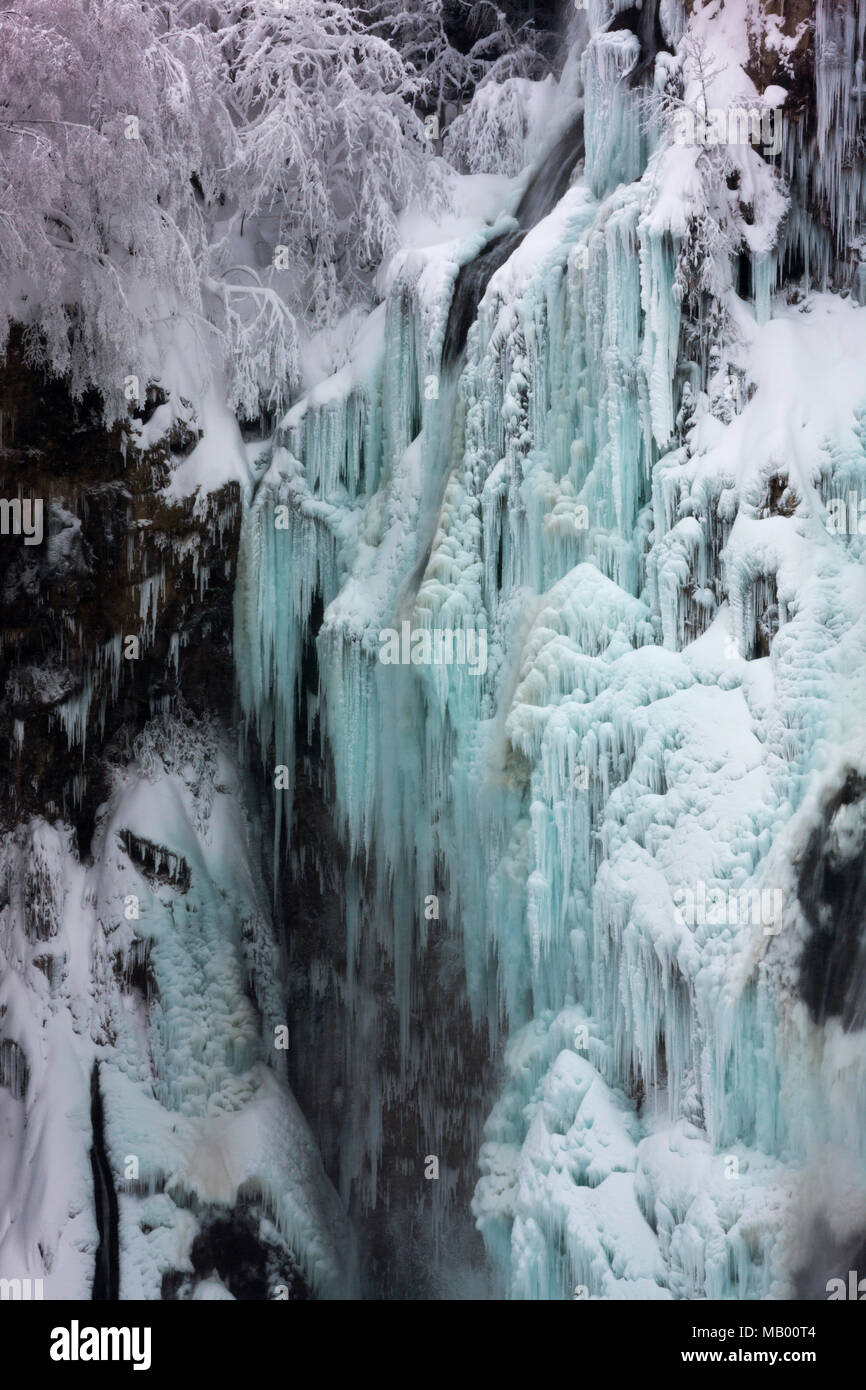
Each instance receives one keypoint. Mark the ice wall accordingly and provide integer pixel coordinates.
(628, 485)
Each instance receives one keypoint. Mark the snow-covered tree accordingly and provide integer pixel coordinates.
(329, 147)
(111, 132)
(454, 45)
(731, 197)
(238, 165)
(498, 131)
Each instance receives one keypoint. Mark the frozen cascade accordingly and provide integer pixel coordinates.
(620, 819)
(545, 188)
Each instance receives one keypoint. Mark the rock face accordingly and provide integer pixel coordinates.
(123, 593)
(832, 892)
(141, 1017)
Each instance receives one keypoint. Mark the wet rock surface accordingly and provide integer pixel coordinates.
(123, 608)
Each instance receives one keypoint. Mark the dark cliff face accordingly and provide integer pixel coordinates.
(832, 894)
(644, 21)
(123, 611)
(466, 23)
(796, 72)
(111, 552)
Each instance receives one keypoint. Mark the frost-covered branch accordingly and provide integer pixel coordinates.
(146, 149)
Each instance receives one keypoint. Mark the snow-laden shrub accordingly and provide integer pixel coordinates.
(498, 131)
(106, 117)
(717, 194)
(453, 46)
(238, 167)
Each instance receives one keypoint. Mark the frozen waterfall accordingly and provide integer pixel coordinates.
(578, 867)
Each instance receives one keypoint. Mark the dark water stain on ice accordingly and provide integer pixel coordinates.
(832, 892)
(234, 1247)
(106, 1274)
(14, 1071)
(831, 1258)
(545, 188)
